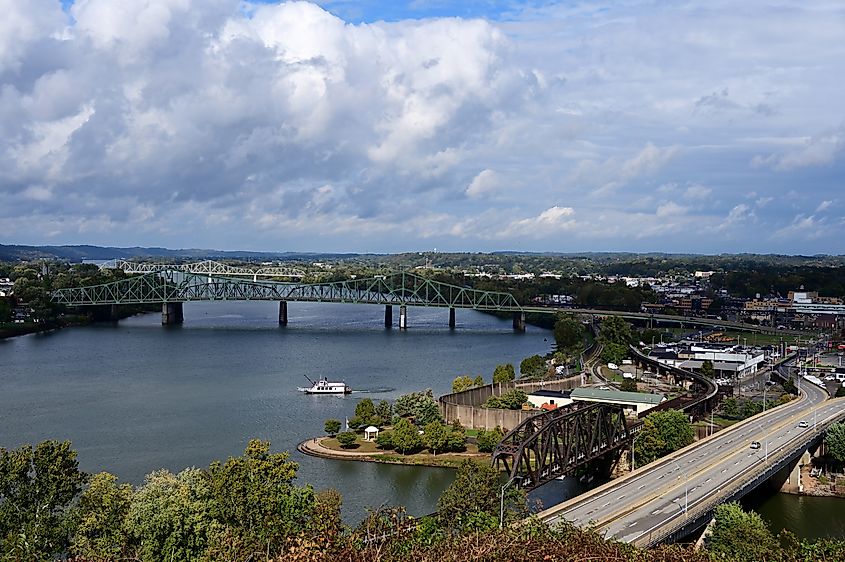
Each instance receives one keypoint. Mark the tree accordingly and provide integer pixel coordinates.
(789, 386)
(99, 531)
(738, 535)
(365, 411)
(662, 433)
(385, 440)
(347, 439)
(457, 438)
(532, 366)
(569, 334)
(510, 400)
(840, 392)
(406, 438)
(504, 373)
(628, 385)
(436, 436)
(462, 383)
(332, 427)
(614, 329)
(255, 499)
(418, 405)
(471, 502)
(37, 486)
(171, 517)
(384, 410)
(478, 381)
(613, 352)
(707, 369)
(834, 438)
(487, 440)
(730, 408)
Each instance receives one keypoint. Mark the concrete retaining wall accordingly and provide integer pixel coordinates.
(466, 406)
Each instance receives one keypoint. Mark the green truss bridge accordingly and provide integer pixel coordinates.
(171, 287)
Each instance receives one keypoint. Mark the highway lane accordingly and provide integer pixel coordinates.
(631, 507)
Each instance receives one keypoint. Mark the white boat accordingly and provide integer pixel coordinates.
(324, 386)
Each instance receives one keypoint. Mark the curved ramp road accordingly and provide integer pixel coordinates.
(639, 507)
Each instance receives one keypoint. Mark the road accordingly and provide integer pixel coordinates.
(632, 508)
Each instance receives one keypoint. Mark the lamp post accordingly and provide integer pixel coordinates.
(502, 503)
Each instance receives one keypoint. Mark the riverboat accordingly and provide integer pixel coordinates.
(324, 386)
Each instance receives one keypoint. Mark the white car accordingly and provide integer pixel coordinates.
(803, 423)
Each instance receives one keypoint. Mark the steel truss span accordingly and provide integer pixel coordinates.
(557, 442)
(404, 289)
(206, 267)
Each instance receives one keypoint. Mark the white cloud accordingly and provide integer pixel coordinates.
(552, 220)
(484, 184)
(802, 227)
(817, 151)
(824, 205)
(697, 191)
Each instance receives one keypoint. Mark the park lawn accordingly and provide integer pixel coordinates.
(361, 446)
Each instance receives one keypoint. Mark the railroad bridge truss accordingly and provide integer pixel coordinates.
(558, 442)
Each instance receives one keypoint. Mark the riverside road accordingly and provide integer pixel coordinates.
(633, 508)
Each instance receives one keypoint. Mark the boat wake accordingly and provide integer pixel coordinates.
(372, 390)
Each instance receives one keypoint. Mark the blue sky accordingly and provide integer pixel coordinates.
(391, 126)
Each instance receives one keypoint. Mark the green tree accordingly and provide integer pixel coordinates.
(406, 438)
(457, 438)
(478, 381)
(462, 383)
(365, 410)
(730, 408)
(840, 391)
(99, 520)
(504, 373)
(533, 366)
(37, 486)
(384, 411)
(436, 436)
(255, 498)
(789, 386)
(662, 433)
(171, 517)
(347, 439)
(613, 352)
(487, 440)
(5, 311)
(614, 329)
(737, 535)
(707, 369)
(510, 400)
(385, 440)
(332, 427)
(569, 334)
(420, 406)
(471, 502)
(834, 438)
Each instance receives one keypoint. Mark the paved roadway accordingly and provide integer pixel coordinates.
(631, 508)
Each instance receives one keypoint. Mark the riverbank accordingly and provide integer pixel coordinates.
(328, 448)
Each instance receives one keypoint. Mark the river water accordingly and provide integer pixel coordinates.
(134, 396)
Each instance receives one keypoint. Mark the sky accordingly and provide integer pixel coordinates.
(475, 125)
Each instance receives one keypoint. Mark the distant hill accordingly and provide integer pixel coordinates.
(85, 252)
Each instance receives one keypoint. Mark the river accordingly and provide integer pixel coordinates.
(133, 396)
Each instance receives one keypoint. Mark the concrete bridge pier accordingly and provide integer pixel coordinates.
(171, 313)
(403, 317)
(114, 313)
(388, 316)
(452, 318)
(283, 313)
(519, 321)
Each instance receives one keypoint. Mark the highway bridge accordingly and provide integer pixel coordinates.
(669, 498)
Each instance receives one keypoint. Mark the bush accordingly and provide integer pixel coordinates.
(628, 385)
(385, 440)
(347, 439)
(487, 440)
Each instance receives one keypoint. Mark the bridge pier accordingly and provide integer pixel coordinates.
(388, 316)
(452, 318)
(283, 313)
(113, 312)
(171, 313)
(519, 321)
(403, 317)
